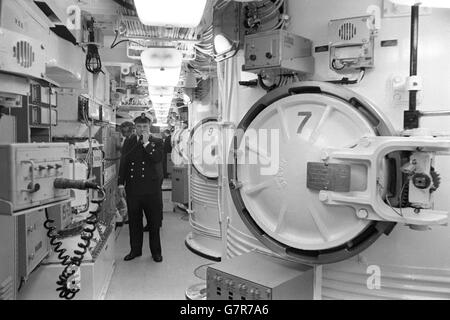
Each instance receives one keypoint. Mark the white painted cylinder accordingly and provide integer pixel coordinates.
(205, 237)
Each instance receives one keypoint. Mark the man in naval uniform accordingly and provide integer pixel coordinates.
(140, 179)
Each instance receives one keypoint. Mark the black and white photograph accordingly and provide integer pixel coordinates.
(224, 155)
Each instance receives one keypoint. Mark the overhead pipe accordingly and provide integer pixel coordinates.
(412, 116)
(414, 54)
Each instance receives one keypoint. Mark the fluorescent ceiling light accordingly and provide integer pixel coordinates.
(162, 66)
(162, 105)
(162, 108)
(171, 13)
(162, 119)
(161, 99)
(166, 91)
(424, 3)
(161, 115)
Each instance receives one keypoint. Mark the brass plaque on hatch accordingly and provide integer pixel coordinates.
(330, 177)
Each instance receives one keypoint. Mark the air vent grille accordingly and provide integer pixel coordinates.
(24, 54)
(347, 31)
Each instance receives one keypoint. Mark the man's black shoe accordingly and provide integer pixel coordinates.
(157, 258)
(131, 256)
(147, 228)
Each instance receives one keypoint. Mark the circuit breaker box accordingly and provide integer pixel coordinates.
(278, 52)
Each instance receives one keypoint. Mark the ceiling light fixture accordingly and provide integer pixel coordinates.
(166, 91)
(424, 3)
(171, 13)
(161, 99)
(224, 48)
(162, 66)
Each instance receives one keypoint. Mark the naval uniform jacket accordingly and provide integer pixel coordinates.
(140, 168)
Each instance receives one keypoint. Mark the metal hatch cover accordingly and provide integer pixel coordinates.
(204, 142)
(271, 195)
(179, 142)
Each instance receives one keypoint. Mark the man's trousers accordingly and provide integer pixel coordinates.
(149, 205)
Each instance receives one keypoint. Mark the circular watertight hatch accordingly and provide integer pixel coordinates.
(279, 136)
(180, 147)
(205, 148)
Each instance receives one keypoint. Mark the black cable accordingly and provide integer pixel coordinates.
(65, 260)
(344, 80)
(125, 40)
(266, 87)
(347, 81)
(115, 44)
(67, 286)
(333, 64)
(115, 38)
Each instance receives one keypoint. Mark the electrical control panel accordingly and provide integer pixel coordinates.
(254, 276)
(278, 52)
(351, 43)
(33, 241)
(28, 171)
(180, 185)
(88, 109)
